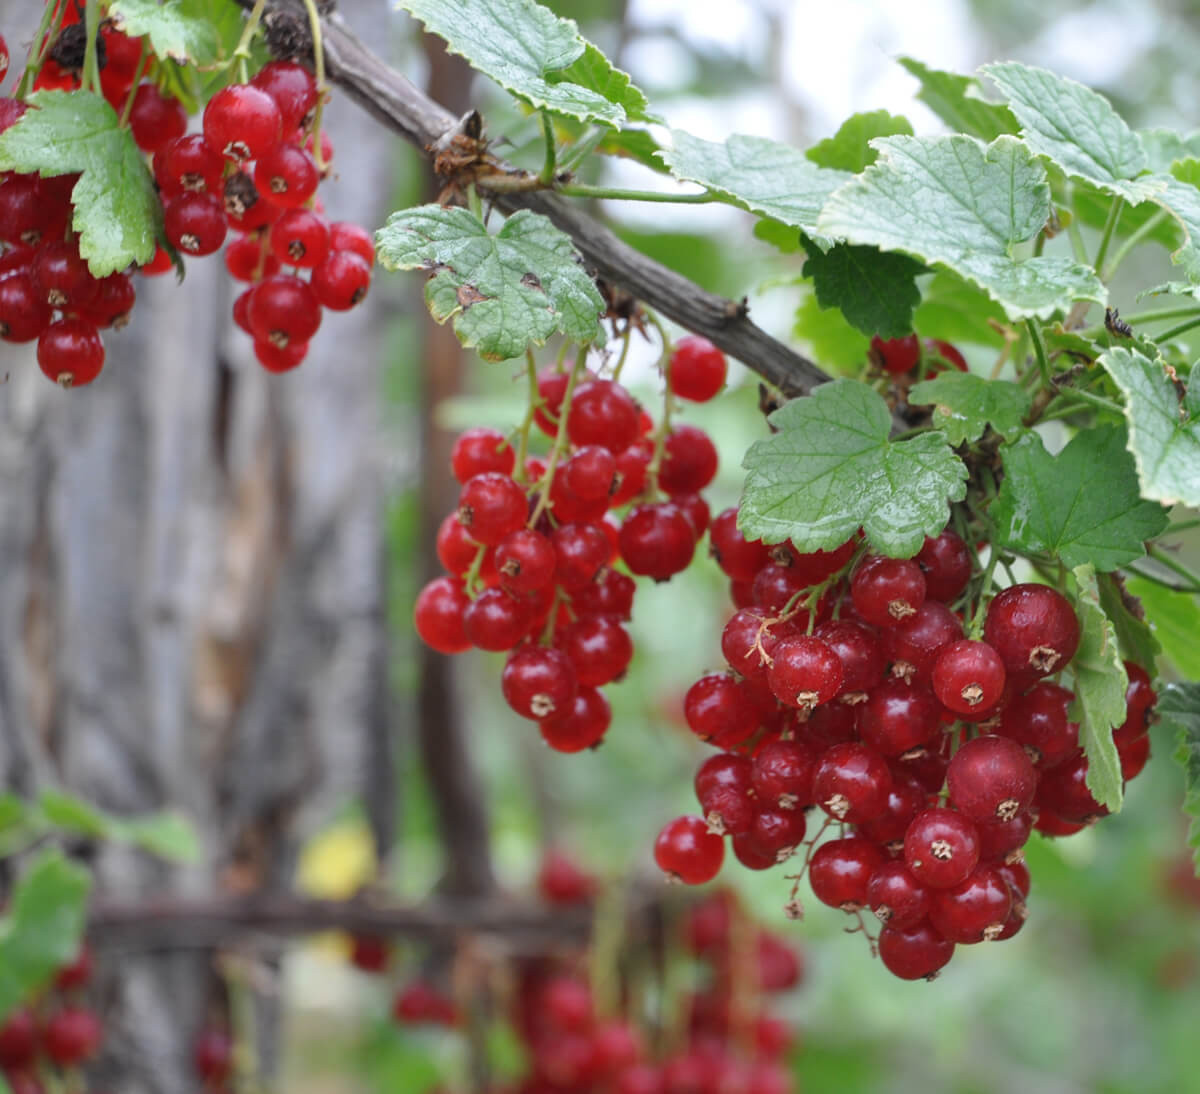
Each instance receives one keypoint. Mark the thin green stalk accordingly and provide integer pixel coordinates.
(1154, 579)
(1064, 405)
(626, 339)
(1110, 226)
(242, 49)
(985, 590)
(549, 165)
(1132, 240)
(47, 31)
(127, 109)
(91, 57)
(523, 432)
(560, 439)
(1156, 315)
(473, 202)
(582, 190)
(1076, 237)
(1165, 558)
(1039, 349)
(1174, 332)
(1182, 526)
(582, 148)
(314, 27)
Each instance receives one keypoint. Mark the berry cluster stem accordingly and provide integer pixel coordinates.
(127, 108)
(560, 439)
(91, 60)
(46, 33)
(535, 401)
(664, 427)
(314, 26)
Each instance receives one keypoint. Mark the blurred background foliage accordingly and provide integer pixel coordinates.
(1101, 990)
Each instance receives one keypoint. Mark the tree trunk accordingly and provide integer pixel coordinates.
(192, 596)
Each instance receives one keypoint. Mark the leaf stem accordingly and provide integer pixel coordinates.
(626, 339)
(530, 411)
(1182, 328)
(582, 148)
(1110, 226)
(1132, 240)
(91, 59)
(550, 163)
(582, 190)
(242, 49)
(664, 427)
(560, 438)
(1076, 237)
(473, 202)
(1039, 349)
(1182, 526)
(47, 31)
(1154, 579)
(1065, 408)
(127, 109)
(1165, 558)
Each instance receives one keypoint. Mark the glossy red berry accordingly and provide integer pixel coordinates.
(70, 352)
(689, 461)
(188, 163)
(897, 355)
(279, 358)
(155, 119)
(687, 851)
(840, 870)
(438, 615)
(62, 276)
(112, 302)
(599, 648)
(737, 556)
(858, 648)
(777, 832)
(284, 309)
(293, 89)
(697, 369)
(913, 645)
(748, 641)
(194, 222)
(946, 563)
(561, 882)
(937, 348)
(991, 779)
(968, 676)
(299, 237)
(18, 1041)
(526, 561)
(914, 953)
(898, 717)
(719, 709)
(242, 122)
(496, 621)
(580, 549)
(896, 897)
(1033, 628)
(725, 791)
(974, 910)
(212, 1054)
(538, 682)
(609, 593)
(941, 847)
(287, 176)
(657, 540)
(905, 800)
(492, 506)
(1064, 791)
(24, 313)
(804, 672)
(1038, 721)
(782, 774)
(345, 235)
(852, 783)
(71, 1036)
(886, 591)
(602, 412)
(481, 449)
(581, 725)
(1000, 839)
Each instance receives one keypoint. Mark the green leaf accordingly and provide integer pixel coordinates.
(535, 55)
(1181, 199)
(1081, 506)
(831, 468)
(43, 927)
(1164, 146)
(831, 341)
(1179, 708)
(72, 814)
(1135, 636)
(13, 811)
(1100, 682)
(875, 291)
(117, 213)
(504, 292)
(176, 28)
(1175, 619)
(782, 236)
(1075, 128)
(955, 201)
(958, 311)
(963, 405)
(764, 176)
(168, 835)
(1165, 446)
(959, 102)
(849, 148)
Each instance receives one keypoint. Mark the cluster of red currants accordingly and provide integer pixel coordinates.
(531, 549)
(905, 356)
(252, 169)
(854, 688)
(40, 1044)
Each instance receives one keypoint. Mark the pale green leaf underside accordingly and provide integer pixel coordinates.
(1165, 447)
(1075, 128)
(1135, 637)
(1179, 708)
(955, 201)
(1165, 146)
(116, 205)
(964, 404)
(875, 291)
(1175, 619)
(504, 292)
(531, 52)
(1081, 506)
(42, 929)
(831, 468)
(1181, 199)
(958, 100)
(174, 29)
(1100, 682)
(849, 149)
(764, 176)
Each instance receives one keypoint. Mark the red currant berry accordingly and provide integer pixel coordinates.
(18, 1041)
(748, 641)
(687, 851)
(76, 974)
(491, 506)
(438, 616)
(896, 355)
(112, 303)
(1038, 721)
(905, 800)
(610, 593)
(782, 774)
(496, 621)
(70, 352)
(840, 870)
(590, 473)
(898, 717)
(368, 953)
(345, 235)
(968, 676)
(777, 832)
(914, 953)
(299, 238)
(194, 222)
(602, 412)
(1001, 838)
(1064, 791)
(279, 358)
(852, 783)
(293, 89)
(24, 313)
(525, 560)
(242, 122)
(155, 119)
(737, 556)
(937, 348)
(71, 1036)
(747, 851)
(913, 645)
(1134, 756)
(581, 549)
(689, 461)
(189, 164)
(719, 709)
(212, 1052)
(284, 309)
(599, 648)
(991, 780)
(804, 672)
(946, 563)
(481, 449)
(582, 725)
(896, 897)
(1033, 628)
(860, 652)
(886, 591)
(974, 910)
(657, 540)
(287, 176)
(561, 882)
(538, 682)
(697, 369)
(941, 847)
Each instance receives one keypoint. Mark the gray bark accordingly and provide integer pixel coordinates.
(192, 596)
